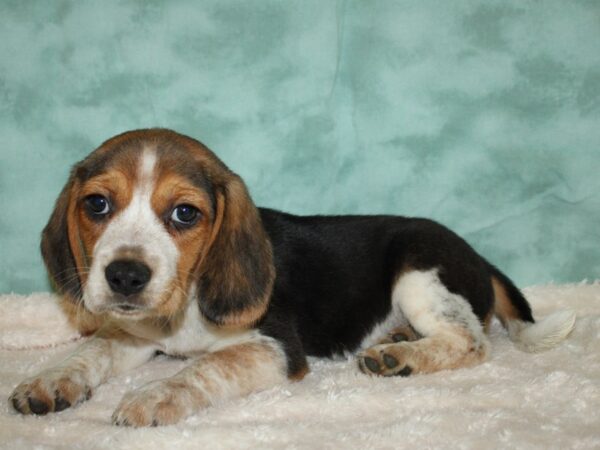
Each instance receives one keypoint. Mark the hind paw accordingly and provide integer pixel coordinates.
(386, 360)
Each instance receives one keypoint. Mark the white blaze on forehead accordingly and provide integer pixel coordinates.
(137, 225)
(146, 168)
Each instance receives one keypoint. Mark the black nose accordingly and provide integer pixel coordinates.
(127, 277)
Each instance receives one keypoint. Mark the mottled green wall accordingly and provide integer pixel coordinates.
(481, 114)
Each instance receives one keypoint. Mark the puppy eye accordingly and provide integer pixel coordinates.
(97, 205)
(186, 215)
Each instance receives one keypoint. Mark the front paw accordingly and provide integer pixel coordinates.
(158, 403)
(50, 391)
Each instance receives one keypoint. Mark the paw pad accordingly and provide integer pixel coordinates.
(406, 371)
(371, 364)
(37, 406)
(60, 403)
(389, 361)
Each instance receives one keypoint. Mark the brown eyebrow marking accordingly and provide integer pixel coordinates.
(114, 183)
(171, 189)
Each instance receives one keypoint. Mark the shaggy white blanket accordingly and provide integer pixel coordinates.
(515, 400)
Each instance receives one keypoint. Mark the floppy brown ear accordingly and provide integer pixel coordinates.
(237, 272)
(60, 245)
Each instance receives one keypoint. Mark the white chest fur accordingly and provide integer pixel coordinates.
(189, 334)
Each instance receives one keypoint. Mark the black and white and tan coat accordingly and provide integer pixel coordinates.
(156, 246)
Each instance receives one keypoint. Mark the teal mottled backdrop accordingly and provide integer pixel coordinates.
(484, 115)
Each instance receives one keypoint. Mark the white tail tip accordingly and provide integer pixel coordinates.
(542, 335)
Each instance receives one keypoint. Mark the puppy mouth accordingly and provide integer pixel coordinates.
(134, 307)
(125, 308)
(121, 313)
(118, 306)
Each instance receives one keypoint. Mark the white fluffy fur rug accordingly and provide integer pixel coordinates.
(515, 400)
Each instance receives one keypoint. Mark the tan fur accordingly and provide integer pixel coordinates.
(240, 221)
(248, 317)
(487, 322)
(38, 389)
(84, 321)
(231, 359)
(77, 246)
(503, 307)
(52, 238)
(300, 374)
(72, 392)
(218, 223)
(117, 184)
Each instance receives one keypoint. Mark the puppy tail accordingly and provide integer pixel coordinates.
(542, 335)
(513, 310)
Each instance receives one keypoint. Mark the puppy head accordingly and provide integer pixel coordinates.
(148, 220)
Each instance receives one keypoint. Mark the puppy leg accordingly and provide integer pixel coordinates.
(233, 371)
(452, 335)
(73, 380)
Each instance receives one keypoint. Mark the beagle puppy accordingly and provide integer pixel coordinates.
(156, 246)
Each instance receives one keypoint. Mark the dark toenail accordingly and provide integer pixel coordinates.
(371, 364)
(122, 422)
(399, 337)
(88, 393)
(154, 423)
(60, 403)
(406, 371)
(37, 406)
(16, 405)
(389, 361)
